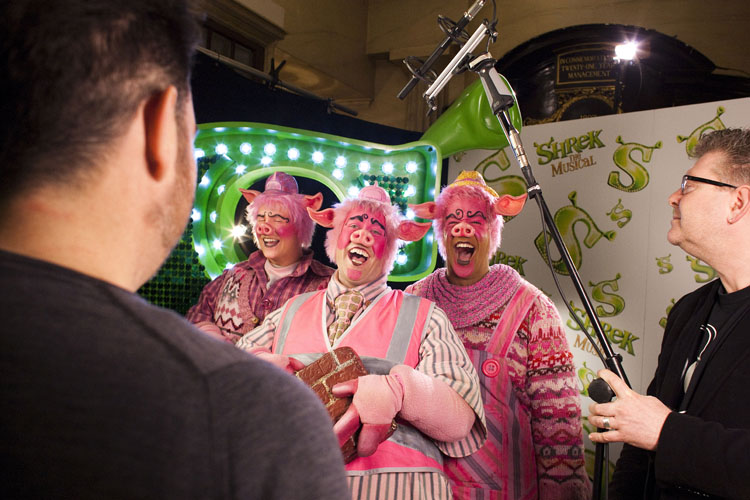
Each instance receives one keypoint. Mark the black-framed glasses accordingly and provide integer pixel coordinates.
(693, 178)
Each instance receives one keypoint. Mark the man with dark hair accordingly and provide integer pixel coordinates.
(689, 438)
(104, 395)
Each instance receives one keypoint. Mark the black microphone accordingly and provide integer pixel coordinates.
(600, 391)
(455, 32)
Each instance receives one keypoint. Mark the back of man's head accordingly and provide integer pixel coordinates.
(734, 144)
(72, 75)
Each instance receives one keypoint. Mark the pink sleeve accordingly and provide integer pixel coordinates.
(443, 356)
(555, 405)
(414, 288)
(204, 310)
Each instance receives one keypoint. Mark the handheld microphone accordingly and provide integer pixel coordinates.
(600, 391)
(455, 32)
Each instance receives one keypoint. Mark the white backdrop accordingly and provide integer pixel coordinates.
(606, 181)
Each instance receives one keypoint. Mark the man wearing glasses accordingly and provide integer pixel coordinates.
(690, 437)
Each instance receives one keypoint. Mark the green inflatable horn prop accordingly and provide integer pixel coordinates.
(470, 124)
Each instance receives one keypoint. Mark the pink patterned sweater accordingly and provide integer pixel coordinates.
(515, 338)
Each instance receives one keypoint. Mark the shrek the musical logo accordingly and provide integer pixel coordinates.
(555, 150)
(570, 152)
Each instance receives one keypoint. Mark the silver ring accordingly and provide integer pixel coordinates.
(605, 423)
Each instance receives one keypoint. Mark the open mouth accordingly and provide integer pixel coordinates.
(270, 242)
(358, 256)
(464, 252)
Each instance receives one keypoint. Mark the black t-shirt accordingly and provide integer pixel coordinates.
(727, 304)
(726, 307)
(106, 396)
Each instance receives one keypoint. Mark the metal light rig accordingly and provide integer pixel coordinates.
(501, 98)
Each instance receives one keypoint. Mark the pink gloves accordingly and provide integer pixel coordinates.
(427, 403)
(433, 407)
(377, 399)
(289, 365)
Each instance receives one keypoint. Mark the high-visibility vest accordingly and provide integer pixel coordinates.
(388, 332)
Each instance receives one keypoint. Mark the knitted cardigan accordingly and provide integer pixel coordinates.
(515, 338)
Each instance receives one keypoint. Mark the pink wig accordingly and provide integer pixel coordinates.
(482, 200)
(293, 203)
(392, 221)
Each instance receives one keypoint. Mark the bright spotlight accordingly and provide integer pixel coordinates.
(626, 51)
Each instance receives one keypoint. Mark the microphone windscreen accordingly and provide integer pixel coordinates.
(600, 391)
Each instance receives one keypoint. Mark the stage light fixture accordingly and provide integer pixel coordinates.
(626, 51)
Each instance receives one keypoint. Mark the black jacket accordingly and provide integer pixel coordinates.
(704, 452)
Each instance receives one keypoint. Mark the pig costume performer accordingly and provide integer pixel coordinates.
(420, 373)
(515, 338)
(241, 297)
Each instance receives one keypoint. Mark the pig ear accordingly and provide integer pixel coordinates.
(249, 194)
(323, 218)
(314, 201)
(409, 230)
(509, 205)
(425, 210)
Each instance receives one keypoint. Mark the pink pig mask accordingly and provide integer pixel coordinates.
(468, 217)
(281, 191)
(365, 235)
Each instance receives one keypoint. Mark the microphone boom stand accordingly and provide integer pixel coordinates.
(500, 103)
(501, 99)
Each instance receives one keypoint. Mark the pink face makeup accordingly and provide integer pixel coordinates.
(362, 227)
(360, 247)
(276, 235)
(466, 236)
